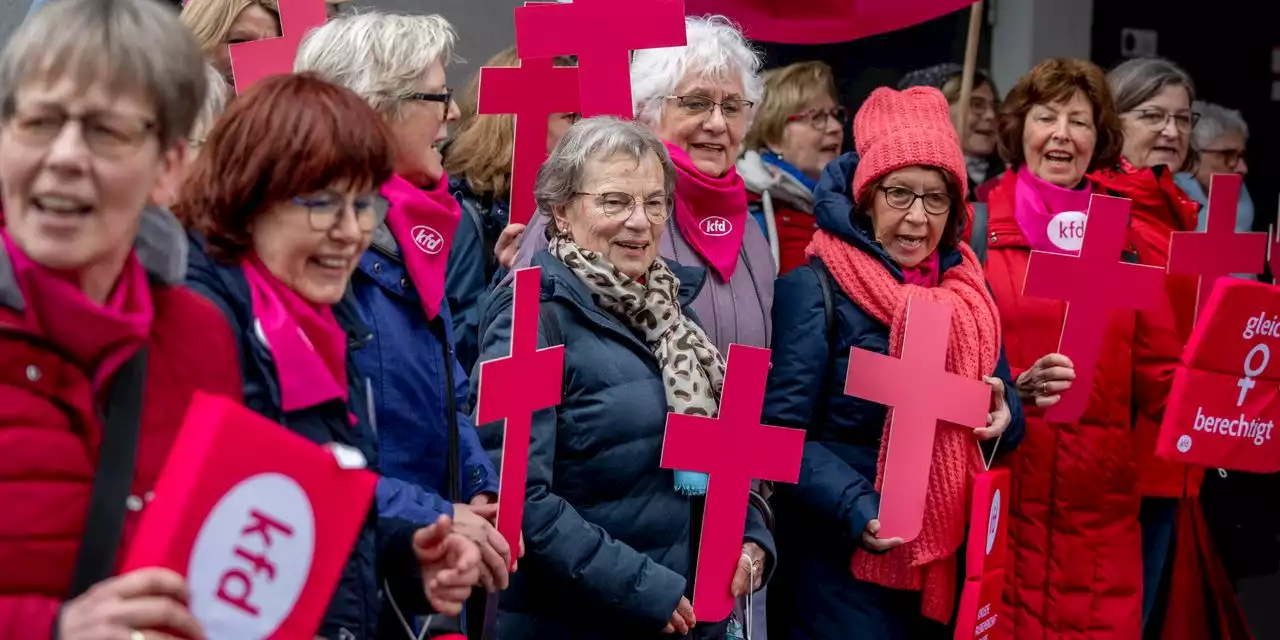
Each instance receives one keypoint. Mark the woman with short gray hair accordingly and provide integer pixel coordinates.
(605, 524)
(1220, 138)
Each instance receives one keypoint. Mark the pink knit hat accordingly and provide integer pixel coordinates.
(896, 129)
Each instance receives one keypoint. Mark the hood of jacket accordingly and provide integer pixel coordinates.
(761, 177)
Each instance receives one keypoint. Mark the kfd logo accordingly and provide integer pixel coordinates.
(716, 226)
(1066, 230)
(428, 239)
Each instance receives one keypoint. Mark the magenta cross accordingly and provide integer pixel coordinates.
(733, 449)
(253, 61)
(1218, 250)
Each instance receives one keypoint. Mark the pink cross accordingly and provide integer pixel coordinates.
(919, 391)
(533, 91)
(1218, 250)
(253, 61)
(602, 34)
(733, 450)
(1093, 285)
(513, 388)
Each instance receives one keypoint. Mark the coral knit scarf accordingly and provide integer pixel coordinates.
(927, 563)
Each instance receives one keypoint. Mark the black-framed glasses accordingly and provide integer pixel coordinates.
(326, 210)
(445, 98)
(818, 118)
(1230, 157)
(902, 198)
(1156, 119)
(697, 105)
(107, 135)
(615, 203)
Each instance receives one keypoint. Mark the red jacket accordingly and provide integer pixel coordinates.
(1075, 545)
(1159, 209)
(50, 433)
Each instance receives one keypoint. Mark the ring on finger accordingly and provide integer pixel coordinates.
(137, 635)
(1044, 387)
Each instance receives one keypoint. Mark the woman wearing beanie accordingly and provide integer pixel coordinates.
(888, 231)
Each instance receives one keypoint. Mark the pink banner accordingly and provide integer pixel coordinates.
(823, 21)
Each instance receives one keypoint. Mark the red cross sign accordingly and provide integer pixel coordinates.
(253, 61)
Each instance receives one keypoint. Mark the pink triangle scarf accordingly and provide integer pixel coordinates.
(423, 222)
(711, 212)
(1050, 217)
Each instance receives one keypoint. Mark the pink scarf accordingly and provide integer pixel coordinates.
(711, 212)
(423, 222)
(308, 346)
(924, 274)
(99, 338)
(1040, 209)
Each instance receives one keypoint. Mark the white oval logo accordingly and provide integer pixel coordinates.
(427, 239)
(993, 523)
(252, 557)
(715, 226)
(1066, 230)
(1184, 444)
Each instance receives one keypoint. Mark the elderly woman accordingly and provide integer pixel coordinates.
(1074, 509)
(479, 162)
(220, 23)
(215, 102)
(609, 531)
(889, 222)
(102, 347)
(1219, 138)
(282, 230)
(981, 159)
(798, 130)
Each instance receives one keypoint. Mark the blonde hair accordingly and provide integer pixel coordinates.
(786, 91)
(483, 148)
(211, 20)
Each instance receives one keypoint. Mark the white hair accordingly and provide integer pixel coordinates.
(1215, 121)
(215, 102)
(716, 49)
(380, 56)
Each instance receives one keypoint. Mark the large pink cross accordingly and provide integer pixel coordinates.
(919, 391)
(733, 450)
(1093, 285)
(253, 61)
(513, 388)
(1218, 250)
(533, 91)
(602, 33)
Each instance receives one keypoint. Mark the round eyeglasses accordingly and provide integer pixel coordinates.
(617, 204)
(326, 210)
(902, 198)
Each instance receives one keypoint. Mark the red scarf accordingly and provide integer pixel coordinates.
(423, 222)
(99, 337)
(927, 563)
(711, 212)
(305, 340)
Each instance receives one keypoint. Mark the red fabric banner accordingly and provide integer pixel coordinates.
(823, 21)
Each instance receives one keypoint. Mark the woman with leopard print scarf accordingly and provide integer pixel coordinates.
(604, 523)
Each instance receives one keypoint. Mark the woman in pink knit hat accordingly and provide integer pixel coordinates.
(890, 218)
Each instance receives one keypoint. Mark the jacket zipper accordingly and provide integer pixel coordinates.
(454, 464)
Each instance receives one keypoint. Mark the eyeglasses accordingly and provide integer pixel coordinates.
(107, 135)
(446, 98)
(1230, 157)
(1156, 119)
(698, 105)
(902, 198)
(325, 210)
(818, 118)
(614, 203)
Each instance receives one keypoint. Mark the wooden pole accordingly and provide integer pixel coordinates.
(970, 67)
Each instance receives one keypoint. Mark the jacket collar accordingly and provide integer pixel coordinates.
(762, 178)
(161, 246)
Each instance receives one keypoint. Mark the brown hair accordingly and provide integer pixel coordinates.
(483, 148)
(786, 91)
(1057, 80)
(960, 209)
(287, 135)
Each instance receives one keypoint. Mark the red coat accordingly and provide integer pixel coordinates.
(50, 435)
(1075, 544)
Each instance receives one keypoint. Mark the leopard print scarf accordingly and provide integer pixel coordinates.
(692, 368)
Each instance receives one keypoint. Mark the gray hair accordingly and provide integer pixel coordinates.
(1136, 81)
(215, 102)
(592, 140)
(1215, 121)
(716, 49)
(380, 56)
(126, 46)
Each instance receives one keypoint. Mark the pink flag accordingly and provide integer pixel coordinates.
(823, 21)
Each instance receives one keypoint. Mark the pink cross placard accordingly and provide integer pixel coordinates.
(512, 389)
(919, 391)
(532, 92)
(1093, 284)
(602, 33)
(1219, 250)
(253, 61)
(733, 450)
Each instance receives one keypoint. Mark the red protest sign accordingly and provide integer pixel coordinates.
(604, 55)
(253, 61)
(1093, 284)
(532, 92)
(512, 389)
(733, 450)
(823, 21)
(1225, 397)
(920, 392)
(258, 519)
(982, 614)
(1219, 250)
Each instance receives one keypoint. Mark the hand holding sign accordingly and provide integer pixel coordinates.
(253, 61)
(114, 607)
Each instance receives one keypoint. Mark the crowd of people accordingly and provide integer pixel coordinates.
(163, 236)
